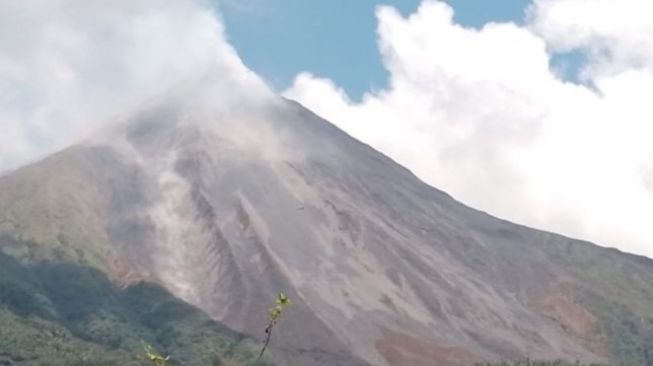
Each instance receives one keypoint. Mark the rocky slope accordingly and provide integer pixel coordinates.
(226, 210)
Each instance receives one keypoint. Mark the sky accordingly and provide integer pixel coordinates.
(334, 39)
(537, 112)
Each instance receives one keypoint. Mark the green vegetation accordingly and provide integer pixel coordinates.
(629, 336)
(529, 362)
(155, 358)
(273, 318)
(63, 314)
(58, 217)
(617, 290)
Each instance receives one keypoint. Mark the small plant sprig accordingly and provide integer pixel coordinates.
(154, 357)
(273, 318)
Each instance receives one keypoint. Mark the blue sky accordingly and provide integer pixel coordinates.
(331, 38)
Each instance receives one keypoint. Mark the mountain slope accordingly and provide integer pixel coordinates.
(66, 314)
(227, 210)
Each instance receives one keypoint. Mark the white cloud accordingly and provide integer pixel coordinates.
(480, 114)
(617, 34)
(68, 67)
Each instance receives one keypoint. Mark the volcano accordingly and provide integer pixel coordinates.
(225, 210)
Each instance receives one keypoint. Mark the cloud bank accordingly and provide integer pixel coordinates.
(70, 67)
(478, 113)
(482, 115)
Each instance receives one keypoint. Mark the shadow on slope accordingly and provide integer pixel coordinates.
(66, 314)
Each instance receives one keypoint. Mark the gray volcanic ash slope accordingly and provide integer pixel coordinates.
(227, 209)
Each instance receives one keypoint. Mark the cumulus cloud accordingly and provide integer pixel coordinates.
(68, 67)
(616, 34)
(481, 114)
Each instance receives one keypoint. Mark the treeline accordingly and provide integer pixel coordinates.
(529, 362)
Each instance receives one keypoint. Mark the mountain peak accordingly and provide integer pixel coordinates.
(225, 208)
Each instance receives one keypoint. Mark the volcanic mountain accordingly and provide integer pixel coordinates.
(225, 210)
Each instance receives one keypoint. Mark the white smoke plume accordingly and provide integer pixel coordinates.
(70, 67)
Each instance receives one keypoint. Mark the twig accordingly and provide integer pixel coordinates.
(268, 331)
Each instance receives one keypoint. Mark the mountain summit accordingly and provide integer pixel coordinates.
(226, 208)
